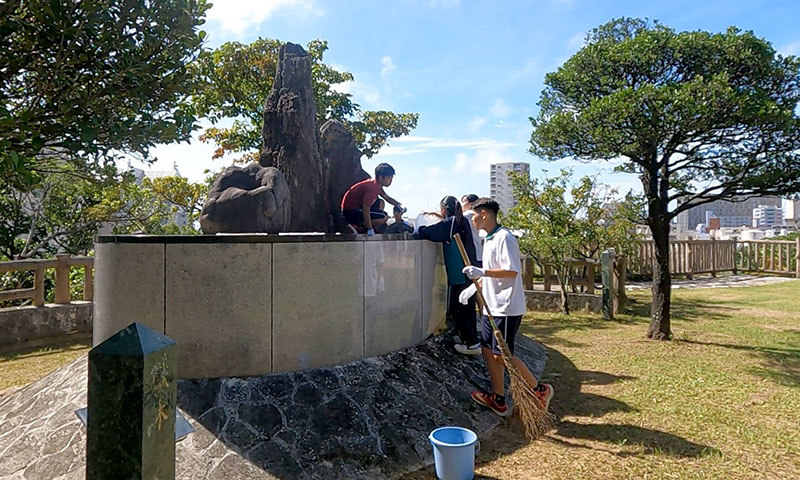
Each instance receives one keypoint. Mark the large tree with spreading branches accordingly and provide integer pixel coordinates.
(698, 116)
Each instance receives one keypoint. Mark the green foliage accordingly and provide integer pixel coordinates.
(81, 82)
(152, 207)
(235, 80)
(700, 116)
(697, 116)
(561, 220)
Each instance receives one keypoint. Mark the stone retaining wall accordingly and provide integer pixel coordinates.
(20, 325)
(551, 301)
(253, 304)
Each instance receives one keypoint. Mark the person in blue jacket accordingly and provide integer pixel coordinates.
(463, 316)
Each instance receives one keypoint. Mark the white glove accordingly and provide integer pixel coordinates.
(370, 232)
(473, 272)
(466, 294)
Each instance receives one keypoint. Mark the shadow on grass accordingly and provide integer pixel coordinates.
(13, 352)
(781, 365)
(572, 402)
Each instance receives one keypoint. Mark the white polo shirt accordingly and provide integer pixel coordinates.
(505, 296)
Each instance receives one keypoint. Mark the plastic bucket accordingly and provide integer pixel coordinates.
(454, 452)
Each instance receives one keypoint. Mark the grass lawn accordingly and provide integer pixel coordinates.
(19, 368)
(720, 401)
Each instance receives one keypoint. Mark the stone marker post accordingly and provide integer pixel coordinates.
(607, 274)
(131, 412)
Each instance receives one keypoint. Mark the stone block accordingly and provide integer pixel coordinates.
(392, 306)
(317, 308)
(129, 287)
(28, 324)
(434, 289)
(132, 397)
(219, 308)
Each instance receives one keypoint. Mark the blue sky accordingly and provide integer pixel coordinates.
(473, 70)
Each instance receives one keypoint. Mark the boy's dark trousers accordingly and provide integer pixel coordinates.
(463, 316)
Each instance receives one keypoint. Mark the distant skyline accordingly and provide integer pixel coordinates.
(473, 70)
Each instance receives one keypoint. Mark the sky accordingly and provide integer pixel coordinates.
(473, 70)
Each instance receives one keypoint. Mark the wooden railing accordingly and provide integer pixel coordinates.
(692, 257)
(581, 275)
(61, 264)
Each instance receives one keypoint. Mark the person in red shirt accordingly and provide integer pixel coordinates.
(360, 207)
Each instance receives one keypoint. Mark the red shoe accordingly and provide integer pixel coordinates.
(487, 400)
(544, 393)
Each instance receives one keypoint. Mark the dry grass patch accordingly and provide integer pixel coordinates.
(22, 367)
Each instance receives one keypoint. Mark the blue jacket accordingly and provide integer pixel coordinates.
(443, 232)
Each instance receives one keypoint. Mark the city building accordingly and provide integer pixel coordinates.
(729, 213)
(792, 213)
(767, 216)
(500, 184)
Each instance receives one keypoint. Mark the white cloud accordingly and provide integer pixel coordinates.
(500, 109)
(237, 16)
(478, 162)
(476, 123)
(432, 142)
(364, 94)
(388, 67)
(791, 49)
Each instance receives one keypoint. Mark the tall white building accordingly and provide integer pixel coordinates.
(792, 212)
(767, 216)
(500, 184)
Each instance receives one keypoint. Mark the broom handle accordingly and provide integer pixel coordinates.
(481, 300)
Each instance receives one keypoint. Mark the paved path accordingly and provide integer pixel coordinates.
(719, 282)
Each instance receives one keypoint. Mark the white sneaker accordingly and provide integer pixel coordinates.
(468, 349)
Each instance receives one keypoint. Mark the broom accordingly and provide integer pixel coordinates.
(535, 419)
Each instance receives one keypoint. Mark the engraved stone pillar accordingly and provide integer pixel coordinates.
(132, 398)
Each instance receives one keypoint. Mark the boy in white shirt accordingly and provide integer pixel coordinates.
(501, 285)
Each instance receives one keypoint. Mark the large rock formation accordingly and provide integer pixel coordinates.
(366, 419)
(291, 141)
(344, 165)
(250, 199)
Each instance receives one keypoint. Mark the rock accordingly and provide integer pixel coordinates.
(251, 199)
(344, 165)
(365, 419)
(291, 141)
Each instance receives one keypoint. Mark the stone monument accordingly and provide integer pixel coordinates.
(302, 172)
(132, 398)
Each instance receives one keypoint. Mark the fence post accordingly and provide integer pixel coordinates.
(88, 283)
(797, 258)
(38, 284)
(689, 260)
(132, 395)
(713, 257)
(608, 284)
(735, 255)
(622, 278)
(590, 278)
(62, 278)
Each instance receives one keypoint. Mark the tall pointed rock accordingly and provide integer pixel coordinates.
(291, 141)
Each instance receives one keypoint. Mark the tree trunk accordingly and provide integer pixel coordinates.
(656, 189)
(562, 283)
(662, 291)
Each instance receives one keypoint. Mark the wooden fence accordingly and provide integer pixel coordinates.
(61, 264)
(692, 257)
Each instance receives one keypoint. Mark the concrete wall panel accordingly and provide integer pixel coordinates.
(318, 306)
(219, 308)
(392, 289)
(434, 289)
(129, 287)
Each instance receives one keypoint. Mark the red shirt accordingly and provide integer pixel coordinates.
(365, 191)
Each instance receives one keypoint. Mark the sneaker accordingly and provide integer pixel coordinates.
(468, 349)
(487, 400)
(544, 393)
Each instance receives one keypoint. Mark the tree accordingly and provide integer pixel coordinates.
(81, 82)
(561, 221)
(698, 116)
(236, 80)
